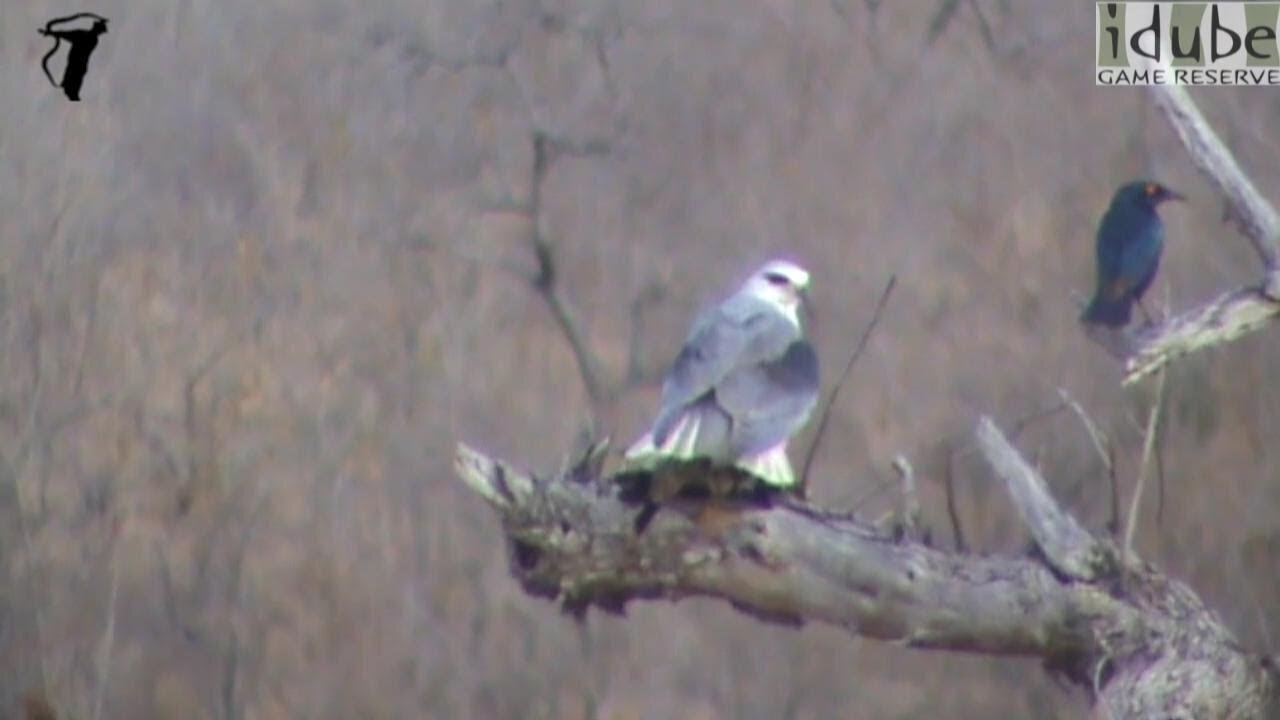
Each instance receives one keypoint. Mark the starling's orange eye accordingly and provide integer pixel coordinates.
(1152, 189)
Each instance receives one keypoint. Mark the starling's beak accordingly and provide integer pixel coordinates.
(1166, 194)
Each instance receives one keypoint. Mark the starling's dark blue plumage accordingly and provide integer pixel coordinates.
(1129, 242)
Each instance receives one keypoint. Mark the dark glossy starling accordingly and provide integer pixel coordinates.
(1129, 242)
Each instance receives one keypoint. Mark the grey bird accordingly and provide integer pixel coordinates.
(745, 381)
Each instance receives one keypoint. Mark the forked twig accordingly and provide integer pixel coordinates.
(545, 277)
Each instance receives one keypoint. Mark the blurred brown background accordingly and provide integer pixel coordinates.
(255, 287)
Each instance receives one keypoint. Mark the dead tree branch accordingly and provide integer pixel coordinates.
(1255, 217)
(1229, 316)
(1068, 547)
(575, 543)
(1148, 646)
(1240, 311)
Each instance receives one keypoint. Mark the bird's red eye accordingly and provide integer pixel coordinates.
(1152, 189)
(776, 278)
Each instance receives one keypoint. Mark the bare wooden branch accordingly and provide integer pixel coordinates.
(1256, 217)
(1146, 648)
(782, 562)
(1219, 321)
(1066, 545)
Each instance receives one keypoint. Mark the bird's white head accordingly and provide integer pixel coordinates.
(781, 283)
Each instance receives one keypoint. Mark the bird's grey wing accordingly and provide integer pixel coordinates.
(770, 401)
(740, 332)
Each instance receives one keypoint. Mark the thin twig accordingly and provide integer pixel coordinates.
(1148, 446)
(984, 29)
(1019, 425)
(1106, 452)
(1166, 311)
(1160, 475)
(867, 496)
(948, 476)
(942, 18)
(544, 285)
(108, 642)
(825, 416)
(1099, 440)
(1113, 480)
(545, 277)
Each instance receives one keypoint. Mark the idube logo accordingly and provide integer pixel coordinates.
(1187, 43)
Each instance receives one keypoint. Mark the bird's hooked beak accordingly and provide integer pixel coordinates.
(806, 304)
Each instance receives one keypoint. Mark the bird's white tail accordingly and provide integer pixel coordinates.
(772, 466)
(680, 442)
